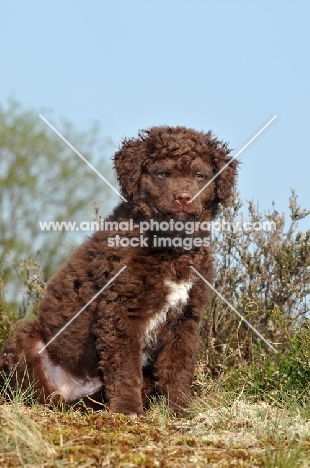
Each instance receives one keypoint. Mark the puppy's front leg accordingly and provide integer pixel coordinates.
(119, 348)
(175, 366)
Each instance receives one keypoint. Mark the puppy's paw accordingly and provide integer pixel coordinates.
(129, 408)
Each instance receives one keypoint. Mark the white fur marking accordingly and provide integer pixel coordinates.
(177, 297)
(71, 388)
(145, 359)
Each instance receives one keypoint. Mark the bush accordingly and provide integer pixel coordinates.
(265, 275)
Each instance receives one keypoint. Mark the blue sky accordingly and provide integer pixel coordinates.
(229, 66)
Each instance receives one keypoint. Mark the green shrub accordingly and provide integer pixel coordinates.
(265, 275)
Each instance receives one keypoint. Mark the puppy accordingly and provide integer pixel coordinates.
(139, 334)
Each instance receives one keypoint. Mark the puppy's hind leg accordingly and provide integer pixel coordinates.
(21, 365)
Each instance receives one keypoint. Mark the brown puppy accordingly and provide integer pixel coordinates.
(140, 335)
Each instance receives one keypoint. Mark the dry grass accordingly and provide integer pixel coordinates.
(219, 431)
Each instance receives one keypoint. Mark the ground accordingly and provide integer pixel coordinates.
(220, 430)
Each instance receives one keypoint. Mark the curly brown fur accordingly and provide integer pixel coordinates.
(140, 336)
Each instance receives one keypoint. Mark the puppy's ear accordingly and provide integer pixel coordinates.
(128, 163)
(226, 179)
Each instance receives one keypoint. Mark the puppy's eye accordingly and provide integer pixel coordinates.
(199, 175)
(161, 174)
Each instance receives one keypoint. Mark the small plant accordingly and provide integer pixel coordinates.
(31, 277)
(16, 392)
(8, 318)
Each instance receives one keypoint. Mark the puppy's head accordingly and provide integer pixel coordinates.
(165, 167)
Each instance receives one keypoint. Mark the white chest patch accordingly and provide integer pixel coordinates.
(177, 297)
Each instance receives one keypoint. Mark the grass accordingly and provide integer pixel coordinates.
(221, 429)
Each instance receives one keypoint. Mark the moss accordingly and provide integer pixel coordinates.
(240, 433)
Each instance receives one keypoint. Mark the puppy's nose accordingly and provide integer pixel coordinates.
(183, 198)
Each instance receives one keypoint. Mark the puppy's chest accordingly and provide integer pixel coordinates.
(176, 299)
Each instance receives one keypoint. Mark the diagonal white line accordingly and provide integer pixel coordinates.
(236, 155)
(235, 310)
(80, 311)
(82, 157)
